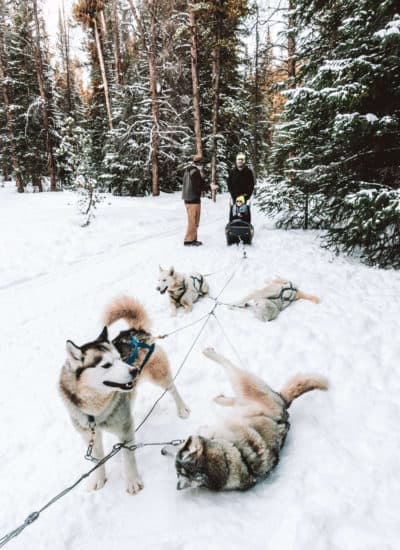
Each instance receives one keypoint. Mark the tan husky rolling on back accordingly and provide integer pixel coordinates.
(245, 447)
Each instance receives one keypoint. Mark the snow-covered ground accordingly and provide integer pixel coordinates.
(337, 485)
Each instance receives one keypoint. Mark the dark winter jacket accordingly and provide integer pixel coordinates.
(193, 185)
(241, 182)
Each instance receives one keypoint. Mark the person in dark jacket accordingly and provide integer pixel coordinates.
(194, 185)
(241, 179)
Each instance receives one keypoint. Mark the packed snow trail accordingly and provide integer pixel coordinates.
(336, 486)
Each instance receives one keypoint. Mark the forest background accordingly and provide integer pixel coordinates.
(309, 90)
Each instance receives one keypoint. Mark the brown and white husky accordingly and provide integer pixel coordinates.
(246, 446)
(98, 381)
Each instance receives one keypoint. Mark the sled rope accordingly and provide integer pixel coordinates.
(206, 318)
(115, 450)
(118, 446)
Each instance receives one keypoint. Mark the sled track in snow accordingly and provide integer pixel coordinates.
(100, 256)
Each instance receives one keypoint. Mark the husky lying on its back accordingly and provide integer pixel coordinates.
(245, 448)
(97, 385)
(183, 290)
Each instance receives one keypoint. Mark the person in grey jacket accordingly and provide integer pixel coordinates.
(194, 185)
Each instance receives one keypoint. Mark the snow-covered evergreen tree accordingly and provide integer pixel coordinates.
(335, 157)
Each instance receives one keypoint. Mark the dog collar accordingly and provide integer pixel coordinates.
(135, 352)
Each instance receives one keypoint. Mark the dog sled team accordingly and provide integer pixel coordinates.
(99, 381)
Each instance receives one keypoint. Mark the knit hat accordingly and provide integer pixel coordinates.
(241, 156)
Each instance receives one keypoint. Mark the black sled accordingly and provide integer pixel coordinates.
(239, 229)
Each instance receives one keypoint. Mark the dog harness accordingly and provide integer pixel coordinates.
(197, 283)
(135, 352)
(287, 293)
(182, 291)
(197, 286)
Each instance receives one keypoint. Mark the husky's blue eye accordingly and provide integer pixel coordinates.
(106, 365)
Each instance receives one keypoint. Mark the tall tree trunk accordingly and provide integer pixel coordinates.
(195, 83)
(65, 52)
(291, 44)
(46, 106)
(215, 69)
(103, 73)
(256, 96)
(139, 24)
(117, 44)
(155, 132)
(9, 118)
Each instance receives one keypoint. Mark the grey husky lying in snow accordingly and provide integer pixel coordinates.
(276, 296)
(183, 289)
(97, 384)
(245, 448)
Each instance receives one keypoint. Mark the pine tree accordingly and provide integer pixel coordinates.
(335, 151)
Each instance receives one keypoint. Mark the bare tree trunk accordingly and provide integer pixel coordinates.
(65, 51)
(103, 24)
(215, 62)
(103, 73)
(43, 95)
(9, 119)
(256, 96)
(151, 51)
(291, 45)
(139, 25)
(195, 83)
(116, 40)
(155, 134)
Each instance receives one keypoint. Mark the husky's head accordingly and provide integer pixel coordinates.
(98, 365)
(166, 279)
(190, 464)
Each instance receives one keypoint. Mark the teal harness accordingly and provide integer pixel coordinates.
(136, 345)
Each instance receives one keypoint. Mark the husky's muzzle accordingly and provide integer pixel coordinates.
(124, 387)
(162, 290)
(128, 386)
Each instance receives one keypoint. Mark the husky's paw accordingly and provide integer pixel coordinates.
(173, 312)
(134, 486)
(224, 401)
(210, 353)
(95, 483)
(183, 411)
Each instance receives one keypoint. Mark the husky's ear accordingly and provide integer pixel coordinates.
(192, 449)
(74, 352)
(171, 270)
(160, 268)
(103, 337)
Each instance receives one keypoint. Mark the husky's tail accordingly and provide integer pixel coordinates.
(300, 384)
(128, 309)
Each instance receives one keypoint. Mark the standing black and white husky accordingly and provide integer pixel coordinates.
(183, 289)
(246, 446)
(97, 384)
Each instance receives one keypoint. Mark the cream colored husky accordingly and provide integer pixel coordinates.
(183, 289)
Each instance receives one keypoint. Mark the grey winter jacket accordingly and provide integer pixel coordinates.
(193, 185)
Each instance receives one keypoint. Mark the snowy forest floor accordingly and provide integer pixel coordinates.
(337, 486)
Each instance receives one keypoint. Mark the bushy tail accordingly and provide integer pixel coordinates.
(302, 383)
(128, 309)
